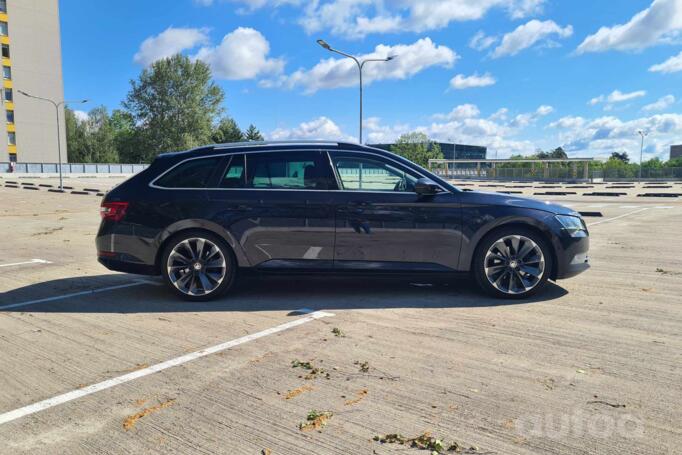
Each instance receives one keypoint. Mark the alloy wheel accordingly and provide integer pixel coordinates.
(196, 266)
(514, 264)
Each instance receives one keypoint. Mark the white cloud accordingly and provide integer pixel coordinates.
(528, 34)
(616, 97)
(322, 128)
(524, 120)
(672, 65)
(464, 124)
(461, 82)
(343, 72)
(568, 122)
(480, 41)
(81, 116)
(602, 136)
(243, 54)
(659, 23)
(168, 43)
(358, 18)
(460, 112)
(660, 105)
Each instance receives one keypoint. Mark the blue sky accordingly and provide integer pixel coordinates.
(514, 75)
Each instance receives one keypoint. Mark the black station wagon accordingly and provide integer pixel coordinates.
(199, 217)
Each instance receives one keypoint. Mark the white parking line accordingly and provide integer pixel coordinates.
(76, 294)
(79, 393)
(32, 261)
(616, 218)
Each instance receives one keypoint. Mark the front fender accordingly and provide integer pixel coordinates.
(477, 222)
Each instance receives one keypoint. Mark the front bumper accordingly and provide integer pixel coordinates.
(573, 258)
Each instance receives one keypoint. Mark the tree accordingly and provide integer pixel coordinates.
(100, 137)
(418, 148)
(173, 104)
(252, 134)
(620, 157)
(76, 150)
(227, 131)
(126, 137)
(558, 154)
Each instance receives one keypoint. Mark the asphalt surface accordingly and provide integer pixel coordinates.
(97, 362)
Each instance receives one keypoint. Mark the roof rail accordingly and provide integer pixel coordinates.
(271, 143)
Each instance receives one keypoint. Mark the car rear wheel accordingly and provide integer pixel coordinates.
(198, 266)
(513, 263)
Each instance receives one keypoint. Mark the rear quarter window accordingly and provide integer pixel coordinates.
(190, 174)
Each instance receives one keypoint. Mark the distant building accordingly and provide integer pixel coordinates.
(32, 62)
(452, 151)
(675, 151)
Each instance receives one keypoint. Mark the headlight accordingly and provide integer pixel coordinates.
(574, 225)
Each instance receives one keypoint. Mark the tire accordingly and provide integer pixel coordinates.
(513, 263)
(198, 266)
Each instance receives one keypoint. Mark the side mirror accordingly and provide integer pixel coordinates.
(426, 187)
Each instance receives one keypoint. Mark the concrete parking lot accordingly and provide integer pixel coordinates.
(98, 362)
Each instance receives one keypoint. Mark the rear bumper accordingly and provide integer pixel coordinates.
(127, 267)
(573, 259)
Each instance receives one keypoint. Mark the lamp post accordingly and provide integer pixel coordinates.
(57, 105)
(361, 65)
(641, 151)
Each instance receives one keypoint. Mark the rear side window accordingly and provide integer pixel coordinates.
(288, 170)
(190, 174)
(235, 174)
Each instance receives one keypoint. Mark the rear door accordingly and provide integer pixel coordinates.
(277, 205)
(382, 224)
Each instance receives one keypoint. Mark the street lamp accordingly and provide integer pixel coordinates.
(57, 105)
(361, 64)
(641, 151)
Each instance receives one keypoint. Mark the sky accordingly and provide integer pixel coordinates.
(512, 75)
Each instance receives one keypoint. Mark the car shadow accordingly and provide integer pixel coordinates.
(260, 293)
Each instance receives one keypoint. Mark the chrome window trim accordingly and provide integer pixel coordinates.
(328, 152)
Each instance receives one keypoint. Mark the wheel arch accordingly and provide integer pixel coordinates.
(530, 224)
(185, 226)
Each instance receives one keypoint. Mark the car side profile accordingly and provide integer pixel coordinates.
(199, 217)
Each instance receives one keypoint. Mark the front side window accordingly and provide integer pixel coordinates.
(373, 174)
(3, 6)
(10, 116)
(5, 51)
(4, 30)
(288, 170)
(7, 72)
(12, 138)
(9, 96)
(190, 174)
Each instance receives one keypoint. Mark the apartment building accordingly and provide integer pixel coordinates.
(32, 63)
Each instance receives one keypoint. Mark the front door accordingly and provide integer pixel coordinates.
(383, 224)
(277, 206)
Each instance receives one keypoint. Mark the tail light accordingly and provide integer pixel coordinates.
(113, 211)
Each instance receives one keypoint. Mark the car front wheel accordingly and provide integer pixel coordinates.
(513, 263)
(198, 266)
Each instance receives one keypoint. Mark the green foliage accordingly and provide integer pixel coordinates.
(227, 131)
(418, 148)
(75, 138)
(91, 140)
(173, 104)
(621, 157)
(252, 134)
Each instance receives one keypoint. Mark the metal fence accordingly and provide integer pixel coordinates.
(73, 168)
